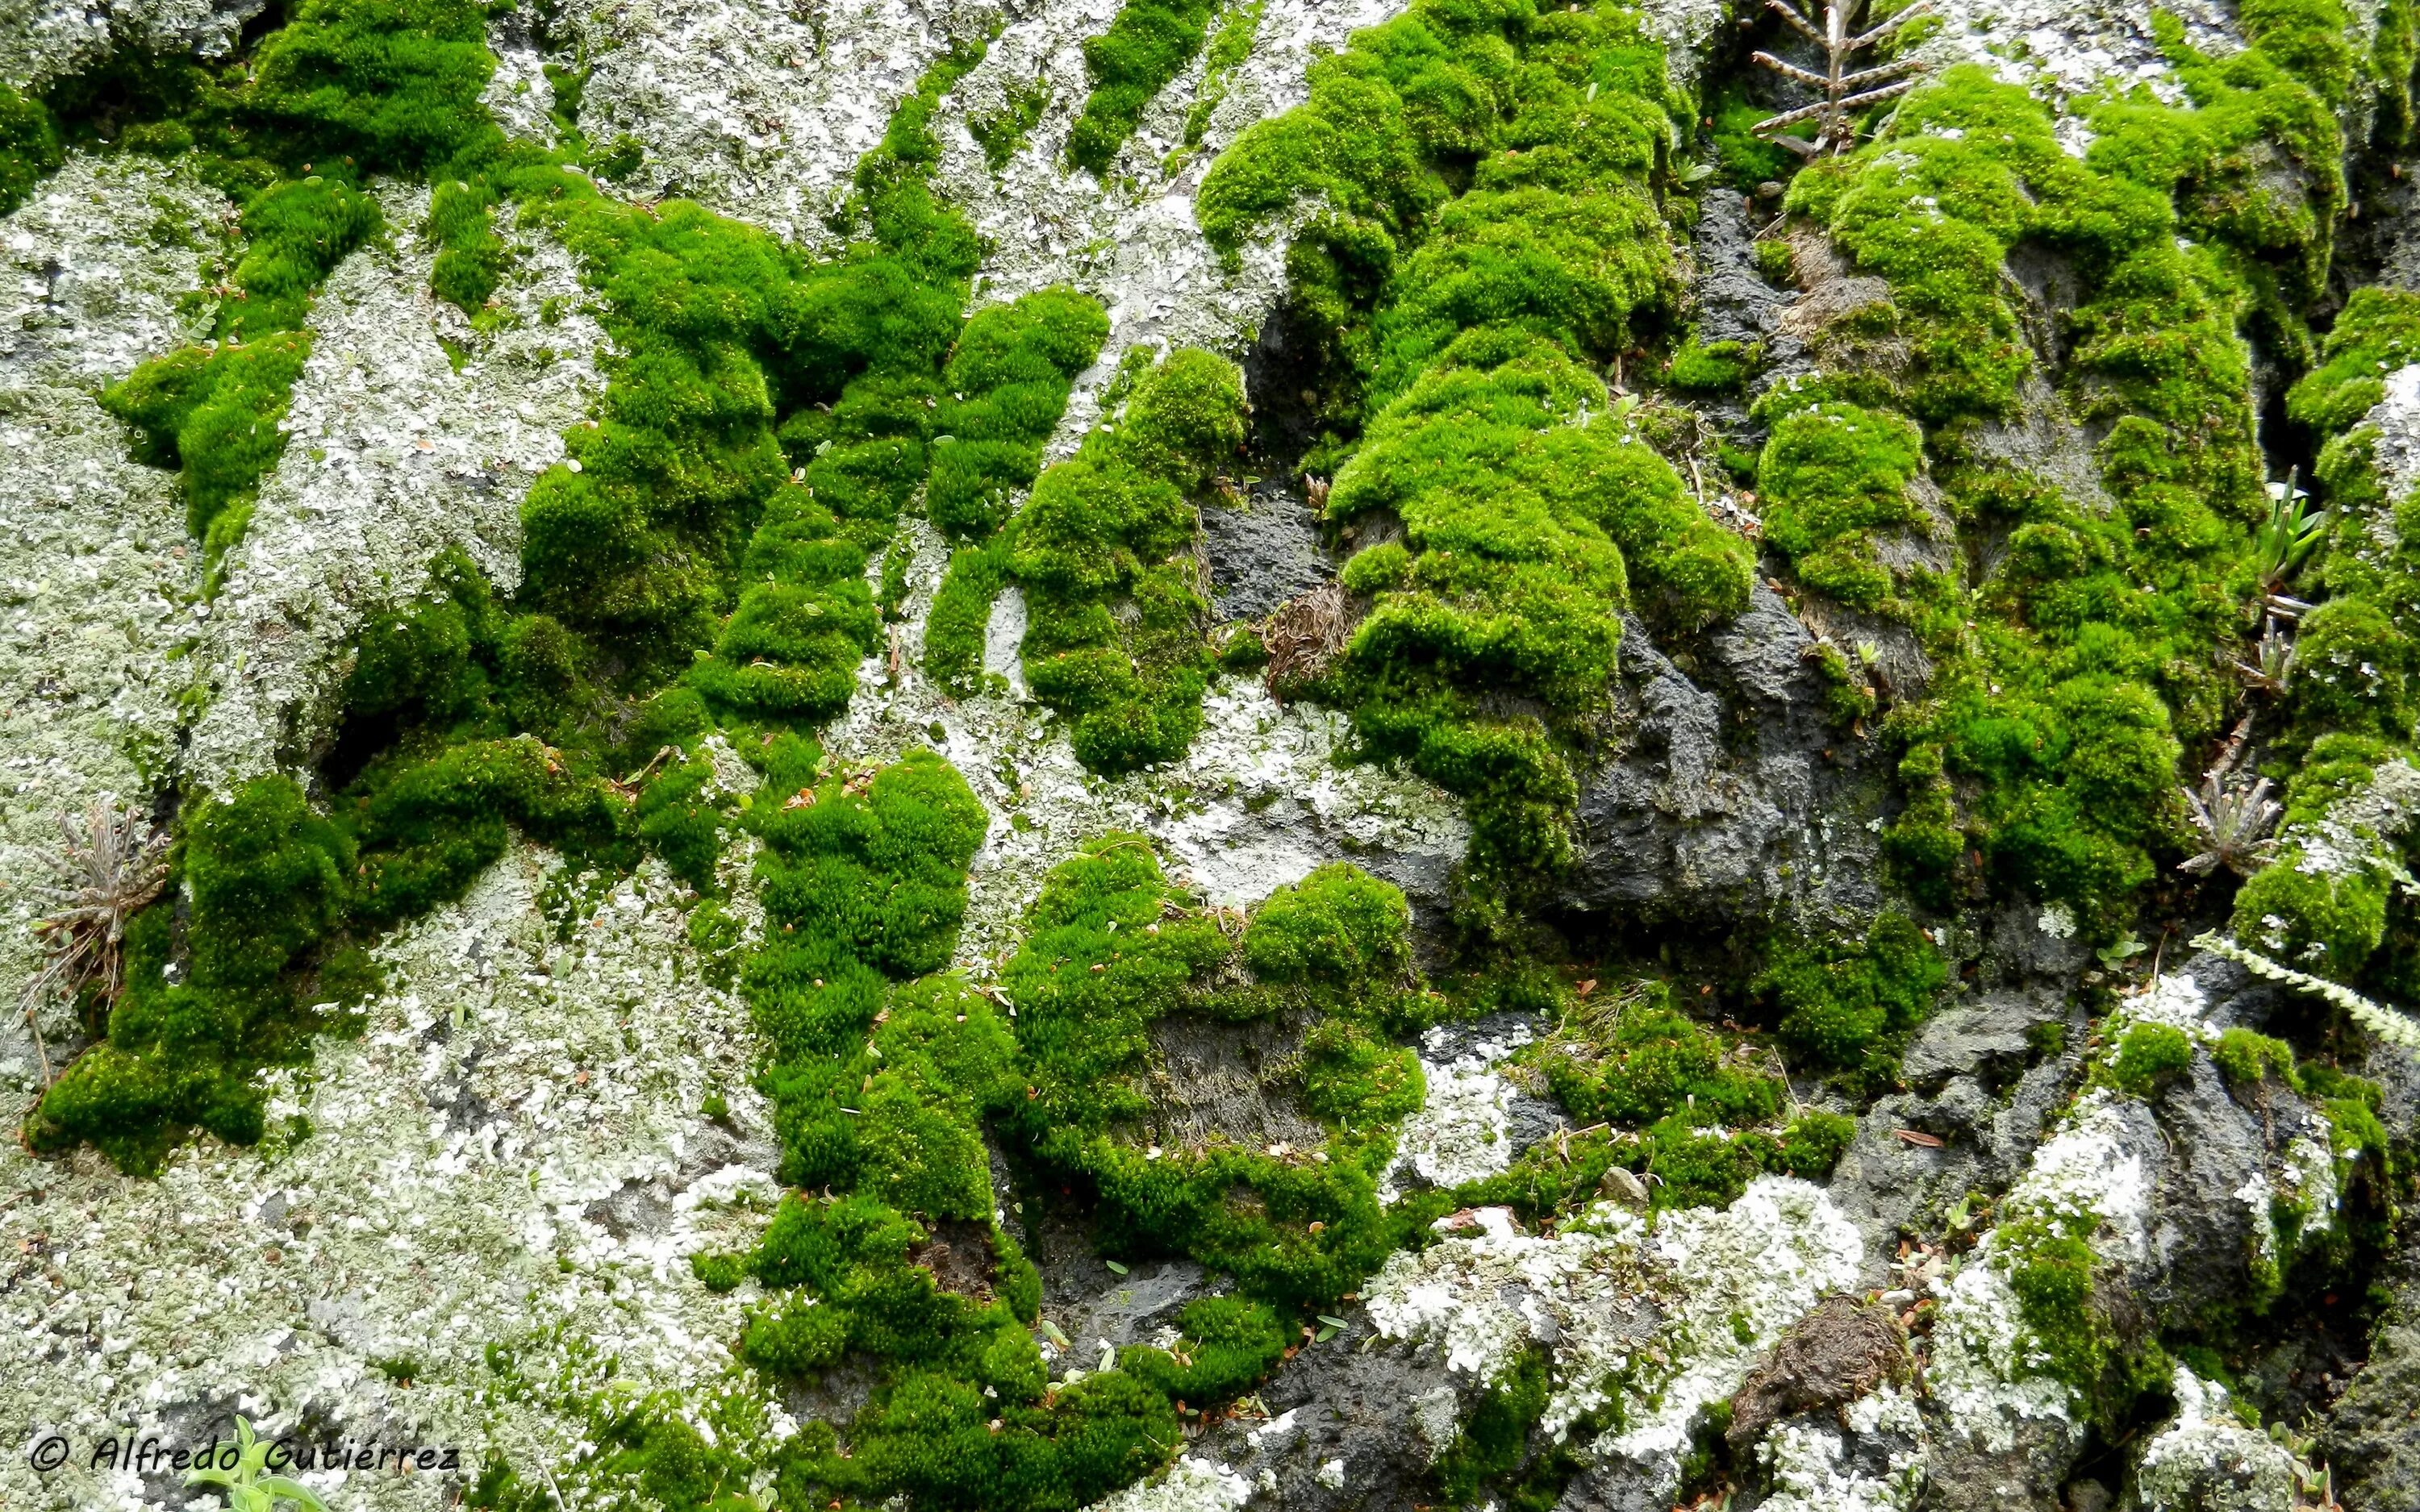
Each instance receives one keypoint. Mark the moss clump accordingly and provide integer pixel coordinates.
(2066, 690)
(1640, 1059)
(266, 883)
(1849, 1001)
(2051, 1272)
(864, 879)
(1006, 383)
(29, 146)
(679, 819)
(213, 415)
(1111, 948)
(2247, 1059)
(1229, 48)
(1491, 233)
(2330, 918)
(960, 617)
(1145, 48)
(1831, 477)
(885, 1080)
(1116, 613)
(2377, 333)
(1710, 367)
(213, 412)
(2149, 1058)
(337, 92)
(1226, 1345)
(1494, 1438)
(1697, 1113)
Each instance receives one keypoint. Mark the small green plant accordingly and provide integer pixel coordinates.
(2283, 543)
(248, 1486)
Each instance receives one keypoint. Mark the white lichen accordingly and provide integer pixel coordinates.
(1191, 1485)
(1988, 1373)
(99, 270)
(2209, 1460)
(97, 572)
(43, 40)
(758, 109)
(1664, 1315)
(513, 1153)
(1811, 1468)
(395, 456)
(1462, 1131)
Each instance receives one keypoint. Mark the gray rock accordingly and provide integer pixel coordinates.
(1617, 1484)
(1264, 553)
(1347, 1427)
(1986, 1037)
(1731, 300)
(2372, 1438)
(1735, 795)
(1092, 1305)
(1891, 1188)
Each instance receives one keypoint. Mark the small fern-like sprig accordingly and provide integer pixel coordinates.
(2396, 1028)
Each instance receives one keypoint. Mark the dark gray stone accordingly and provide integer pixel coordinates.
(2372, 1438)
(1735, 793)
(1264, 553)
(1985, 1036)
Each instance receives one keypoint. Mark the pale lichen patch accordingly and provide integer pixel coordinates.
(512, 1152)
(395, 456)
(2207, 1459)
(1664, 1315)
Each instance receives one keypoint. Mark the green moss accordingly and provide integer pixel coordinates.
(1715, 367)
(1226, 1345)
(2330, 919)
(2394, 50)
(1699, 1113)
(2149, 1058)
(1832, 476)
(295, 232)
(2376, 332)
(1001, 131)
(681, 822)
(213, 415)
(390, 83)
(1747, 159)
(960, 617)
(1847, 1001)
(1109, 950)
(1491, 234)
(1006, 385)
(2065, 689)
(2247, 1059)
(2051, 1272)
(1104, 553)
(2353, 671)
(1634, 1061)
(265, 882)
(1494, 1437)
(1146, 47)
(29, 146)
(213, 411)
